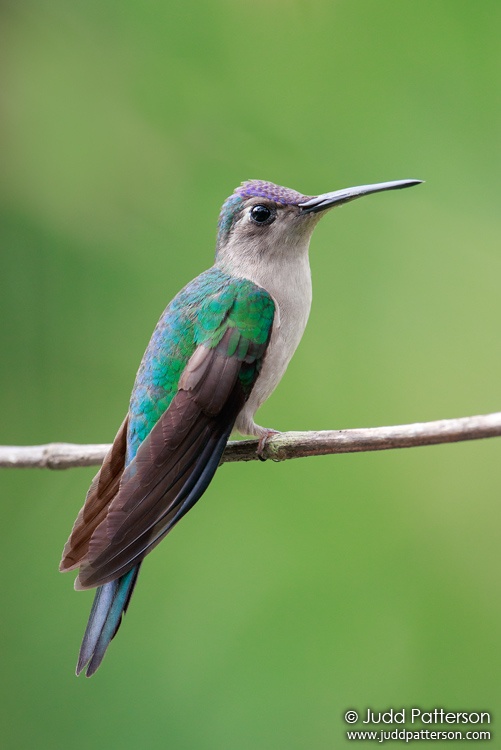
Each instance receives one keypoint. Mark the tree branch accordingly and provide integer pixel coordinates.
(279, 447)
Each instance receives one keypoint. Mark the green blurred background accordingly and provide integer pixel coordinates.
(295, 591)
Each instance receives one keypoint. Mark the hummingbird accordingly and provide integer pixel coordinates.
(218, 351)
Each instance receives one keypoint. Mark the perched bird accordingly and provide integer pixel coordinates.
(218, 351)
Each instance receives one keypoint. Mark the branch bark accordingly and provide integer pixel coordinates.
(279, 447)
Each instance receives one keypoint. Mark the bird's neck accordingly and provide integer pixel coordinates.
(283, 271)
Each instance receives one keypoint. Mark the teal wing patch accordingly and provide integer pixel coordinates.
(201, 314)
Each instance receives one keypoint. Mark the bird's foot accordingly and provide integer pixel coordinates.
(266, 435)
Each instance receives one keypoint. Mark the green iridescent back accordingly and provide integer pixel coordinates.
(200, 314)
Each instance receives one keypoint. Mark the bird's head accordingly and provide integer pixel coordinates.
(264, 220)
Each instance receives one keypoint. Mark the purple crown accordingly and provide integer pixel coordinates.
(262, 189)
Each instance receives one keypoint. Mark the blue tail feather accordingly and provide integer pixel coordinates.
(110, 603)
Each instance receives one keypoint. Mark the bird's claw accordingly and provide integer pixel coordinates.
(262, 443)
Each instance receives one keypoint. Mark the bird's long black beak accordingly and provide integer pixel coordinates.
(338, 197)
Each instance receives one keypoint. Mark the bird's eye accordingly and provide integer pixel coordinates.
(262, 214)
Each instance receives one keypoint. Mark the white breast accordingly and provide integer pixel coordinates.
(290, 287)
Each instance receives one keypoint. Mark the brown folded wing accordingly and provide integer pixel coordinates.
(169, 473)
